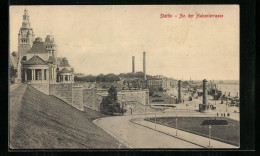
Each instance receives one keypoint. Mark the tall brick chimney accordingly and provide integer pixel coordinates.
(144, 68)
(133, 64)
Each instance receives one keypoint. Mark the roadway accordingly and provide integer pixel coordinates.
(136, 136)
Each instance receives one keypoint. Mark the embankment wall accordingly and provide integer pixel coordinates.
(92, 98)
(44, 87)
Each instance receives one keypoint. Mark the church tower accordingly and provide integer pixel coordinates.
(50, 45)
(25, 42)
(25, 36)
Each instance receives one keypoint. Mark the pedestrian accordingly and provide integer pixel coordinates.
(224, 114)
(217, 114)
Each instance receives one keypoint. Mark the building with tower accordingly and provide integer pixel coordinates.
(36, 60)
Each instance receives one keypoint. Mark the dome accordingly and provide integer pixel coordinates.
(38, 40)
(49, 38)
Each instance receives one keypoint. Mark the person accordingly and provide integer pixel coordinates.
(224, 114)
(217, 114)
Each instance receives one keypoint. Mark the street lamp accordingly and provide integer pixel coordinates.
(209, 135)
(226, 104)
(155, 121)
(145, 112)
(176, 123)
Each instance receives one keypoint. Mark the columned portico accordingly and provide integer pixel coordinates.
(36, 73)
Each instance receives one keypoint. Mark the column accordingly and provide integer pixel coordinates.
(47, 74)
(50, 73)
(179, 91)
(205, 92)
(54, 74)
(25, 74)
(33, 74)
(42, 75)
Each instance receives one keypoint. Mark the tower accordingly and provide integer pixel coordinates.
(50, 45)
(25, 35)
(144, 69)
(179, 91)
(25, 41)
(133, 64)
(205, 92)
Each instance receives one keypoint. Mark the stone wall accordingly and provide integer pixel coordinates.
(62, 91)
(141, 96)
(73, 95)
(133, 107)
(44, 87)
(92, 98)
(77, 97)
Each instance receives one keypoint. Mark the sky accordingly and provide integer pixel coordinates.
(103, 39)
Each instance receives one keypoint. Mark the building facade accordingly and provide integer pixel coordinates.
(36, 60)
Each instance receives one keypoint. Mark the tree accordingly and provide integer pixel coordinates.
(160, 89)
(112, 94)
(110, 104)
(151, 91)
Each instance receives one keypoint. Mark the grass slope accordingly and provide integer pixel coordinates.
(225, 133)
(45, 122)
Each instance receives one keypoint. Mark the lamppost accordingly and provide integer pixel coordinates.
(215, 96)
(155, 121)
(226, 104)
(209, 134)
(176, 123)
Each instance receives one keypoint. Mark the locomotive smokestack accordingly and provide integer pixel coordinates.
(144, 70)
(133, 64)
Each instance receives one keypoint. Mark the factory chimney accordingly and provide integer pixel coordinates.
(144, 69)
(133, 64)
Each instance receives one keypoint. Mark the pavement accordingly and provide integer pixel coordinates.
(134, 132)
(190, 137)
(14, 86)
(136, 136)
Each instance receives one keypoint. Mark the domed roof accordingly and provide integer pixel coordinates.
(38, 40)
(38, 47)
(49, 38)
(35, 60)
(64, 70)
(64, 63)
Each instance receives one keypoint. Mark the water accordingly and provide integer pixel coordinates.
(233, 88)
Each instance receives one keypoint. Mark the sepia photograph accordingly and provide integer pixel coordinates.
(124, 77)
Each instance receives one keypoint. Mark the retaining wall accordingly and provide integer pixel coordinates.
(133, 107)
(44, 87)
(62, 91)
(77, 97)
(92, 98)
